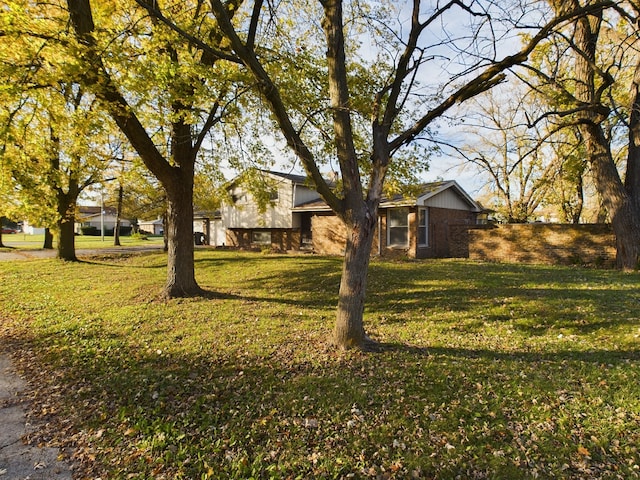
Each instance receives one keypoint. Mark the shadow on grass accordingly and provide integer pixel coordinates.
(438, 411)
(607, 357)
(531, 299)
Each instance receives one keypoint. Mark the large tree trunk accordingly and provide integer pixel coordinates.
(66, 227)
(116, 229)
(349, 328)
(181, 280)
(48, 239)
(617, 201)
(632, 178)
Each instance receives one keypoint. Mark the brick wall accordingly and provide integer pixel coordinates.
(329, 235)
(556, 244)
(282, 239)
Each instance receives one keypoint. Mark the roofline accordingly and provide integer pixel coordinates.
(451, 184)
(406, 202)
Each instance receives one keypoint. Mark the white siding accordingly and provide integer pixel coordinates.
(245, 214)
(218, 233)
(448, 199)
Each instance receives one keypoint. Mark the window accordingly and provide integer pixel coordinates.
(263, 238)
(423, 227)
(398, 227)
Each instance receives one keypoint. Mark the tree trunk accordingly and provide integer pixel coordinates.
(349, 328)
(66, 227)
(624, 220)
(616, 200)
(116, 228)
(632, 178)
(181, 280)
(48, 239)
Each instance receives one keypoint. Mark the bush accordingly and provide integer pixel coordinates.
(90, 231)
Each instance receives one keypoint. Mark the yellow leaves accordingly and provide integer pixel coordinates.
(583, 452)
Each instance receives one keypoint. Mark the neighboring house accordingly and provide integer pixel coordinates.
(151, 227)
(96, 217)
(279, 226)
(29, 229)
(416, 227)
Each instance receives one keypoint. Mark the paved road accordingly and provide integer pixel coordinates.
(18, 254)
(19, 461)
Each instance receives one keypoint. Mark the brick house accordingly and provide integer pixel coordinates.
(414, 227)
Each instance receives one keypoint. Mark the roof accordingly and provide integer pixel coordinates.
(157, 221)
(292, 177)
(427, 191)
(87, 211)
(299, 179)
(206, 214)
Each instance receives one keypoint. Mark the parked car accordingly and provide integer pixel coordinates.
(9, 230)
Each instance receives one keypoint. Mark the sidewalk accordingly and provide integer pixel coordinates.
(17, 460)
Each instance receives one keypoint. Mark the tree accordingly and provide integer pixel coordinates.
(584, 86)
(400, 105)
(499, 144)
(48, 166)
(165, 93)
(54, 142)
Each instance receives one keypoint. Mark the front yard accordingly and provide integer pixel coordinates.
(487, 371)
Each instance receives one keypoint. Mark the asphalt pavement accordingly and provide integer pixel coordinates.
(14, 254)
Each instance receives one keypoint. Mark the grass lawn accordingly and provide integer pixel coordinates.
(488, 371)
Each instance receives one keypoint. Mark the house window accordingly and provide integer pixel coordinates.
(262, 238)
(423, 227)
(398, 227)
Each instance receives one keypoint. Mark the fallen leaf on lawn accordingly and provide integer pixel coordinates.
(583, 451)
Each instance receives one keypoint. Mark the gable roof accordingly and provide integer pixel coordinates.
(292, 177)
(90, 211)
(428, 192)
(299, 179)
(425, 197)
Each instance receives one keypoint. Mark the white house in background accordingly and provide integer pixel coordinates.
(152, 227)
(29, 229)
(96, 216)
(278, 227)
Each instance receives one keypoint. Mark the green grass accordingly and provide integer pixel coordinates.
(488, 371)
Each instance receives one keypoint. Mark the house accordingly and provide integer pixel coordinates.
(278, 225)
(296, 218)
(408, 226)
(92, 219)
(152, 227)
(30, 229)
